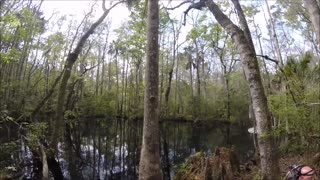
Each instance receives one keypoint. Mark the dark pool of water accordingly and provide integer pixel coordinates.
(106, 149)
(110, 149)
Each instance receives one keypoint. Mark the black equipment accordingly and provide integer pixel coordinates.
(295, 172)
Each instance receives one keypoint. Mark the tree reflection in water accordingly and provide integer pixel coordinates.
(110, 149)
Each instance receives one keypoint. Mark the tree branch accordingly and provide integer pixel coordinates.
(185, 2)
(104, 5)
(199, 5)
(268, 58)
(78, 28)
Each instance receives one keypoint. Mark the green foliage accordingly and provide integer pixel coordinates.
(31, 60)
(54, 46)
(36, 132)
(98, 105)
(292, 147)
(199, 154)
(257, 175)
(295, 118)
(182, 169)
(10, 21)
(12, 55)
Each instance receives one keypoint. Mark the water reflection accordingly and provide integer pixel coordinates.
(110, 149)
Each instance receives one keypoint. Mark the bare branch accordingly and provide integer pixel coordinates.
(119, 2)
(90, 68)
(268, 58)
(185, 2)
(85, 18)
(83, 39)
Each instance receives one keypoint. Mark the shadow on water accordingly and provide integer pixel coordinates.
(110, 149)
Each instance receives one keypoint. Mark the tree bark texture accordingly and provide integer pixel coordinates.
(243, 21)
(268, 153)
(314, 11)
(150, 166)
(45, 168)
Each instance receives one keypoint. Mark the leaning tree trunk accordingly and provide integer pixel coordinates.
(314, 11)
(150, 166)
(268, 155)
(58, 128)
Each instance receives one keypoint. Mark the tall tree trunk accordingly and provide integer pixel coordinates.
(98, 73)
(268, 154)
(161, 59)
(126, 100)
(198, 62)
(122, 111)
(191, 83)
(226, 76)
(150, 166)
(176, 110)
(176, 33)
(103, 66)
(314, 11)
(117, 84)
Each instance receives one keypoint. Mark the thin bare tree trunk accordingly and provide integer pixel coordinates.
(125, 87)
(98, 74)
(176, 110)
(161, 59)
(45, 169)
(191, 82)
(263, 60)
(176, 32)
(198, 59)
(274, 36)
(103, 66)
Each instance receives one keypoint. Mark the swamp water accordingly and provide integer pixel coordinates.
(110, 149)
